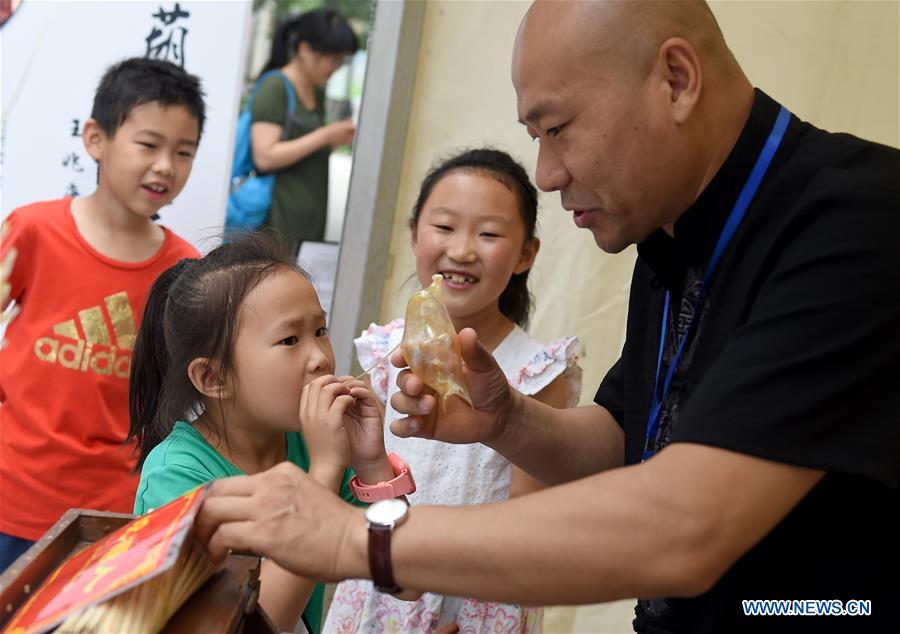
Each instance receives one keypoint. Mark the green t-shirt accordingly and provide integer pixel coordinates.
(300, 198)
(184, 460)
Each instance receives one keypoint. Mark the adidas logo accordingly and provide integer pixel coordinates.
(79, 355)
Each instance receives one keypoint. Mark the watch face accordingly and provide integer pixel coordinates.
(387, 512)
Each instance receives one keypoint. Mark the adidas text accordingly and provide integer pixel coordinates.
(79, 355)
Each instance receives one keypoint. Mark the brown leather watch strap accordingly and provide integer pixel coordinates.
(380, 559)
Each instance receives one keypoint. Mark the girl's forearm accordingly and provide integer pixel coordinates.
(328, 475)
(283, 154)
(283, 595)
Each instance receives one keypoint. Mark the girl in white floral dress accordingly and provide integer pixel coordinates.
(473, 223)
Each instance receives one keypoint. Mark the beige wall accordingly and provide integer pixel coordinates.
(832, 63)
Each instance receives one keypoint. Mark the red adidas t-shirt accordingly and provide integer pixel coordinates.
(64, 370)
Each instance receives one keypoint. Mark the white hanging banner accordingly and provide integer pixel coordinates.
(320, 260)
(53, 56)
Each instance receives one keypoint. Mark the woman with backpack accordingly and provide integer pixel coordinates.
(288, 135)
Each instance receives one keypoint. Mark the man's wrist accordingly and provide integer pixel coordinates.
(508, 440)
(353, 557)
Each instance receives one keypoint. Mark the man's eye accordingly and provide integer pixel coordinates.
(322, 332)
(289, 341)
(554, 131)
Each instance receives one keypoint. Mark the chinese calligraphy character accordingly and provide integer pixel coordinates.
(168, 42)
(169, 18)
(72, 190)
(74, 161)
(76, 131)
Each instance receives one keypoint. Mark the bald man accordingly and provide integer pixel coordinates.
(746, 445)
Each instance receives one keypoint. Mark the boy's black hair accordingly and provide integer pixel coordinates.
(325, 30)
(515, 301)
(193, 311)
(141, 80)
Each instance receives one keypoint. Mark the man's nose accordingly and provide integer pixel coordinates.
(550, 174)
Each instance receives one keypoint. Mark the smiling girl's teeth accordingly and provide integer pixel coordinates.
(459, 279)
(157, 188)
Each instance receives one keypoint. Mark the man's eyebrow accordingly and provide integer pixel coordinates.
(537, 111)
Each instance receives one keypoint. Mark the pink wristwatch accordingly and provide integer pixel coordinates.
(402, 484)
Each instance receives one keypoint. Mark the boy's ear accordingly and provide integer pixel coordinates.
(207, 379)
(94, 138)
(529, 253)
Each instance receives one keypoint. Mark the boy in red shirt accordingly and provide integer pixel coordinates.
(82, 275)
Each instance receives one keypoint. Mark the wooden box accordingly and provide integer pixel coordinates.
(226, 603)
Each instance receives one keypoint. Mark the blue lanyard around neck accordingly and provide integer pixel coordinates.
(728, 231)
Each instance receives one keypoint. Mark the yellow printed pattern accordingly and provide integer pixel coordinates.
(80, 355)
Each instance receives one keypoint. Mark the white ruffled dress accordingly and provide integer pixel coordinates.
(448, 474)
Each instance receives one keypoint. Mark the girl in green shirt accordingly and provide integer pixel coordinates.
(232, 362)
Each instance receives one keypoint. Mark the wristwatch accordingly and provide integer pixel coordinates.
(401, 484)
(382, 518)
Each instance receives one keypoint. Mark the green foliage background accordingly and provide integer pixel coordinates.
(358, 12)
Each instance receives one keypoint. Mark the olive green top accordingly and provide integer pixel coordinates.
(185, 460)
(300, 199)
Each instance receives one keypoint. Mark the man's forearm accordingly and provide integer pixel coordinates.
(580, 542)
(559, 445)
(668, 527)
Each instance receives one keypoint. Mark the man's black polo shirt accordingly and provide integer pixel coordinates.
(794, 359)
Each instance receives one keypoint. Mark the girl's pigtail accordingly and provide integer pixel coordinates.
(149, 364)
(515, 300)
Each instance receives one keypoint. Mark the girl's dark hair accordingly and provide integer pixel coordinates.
(325, 30)
(193, 311)
(139, 80)
(515, 301)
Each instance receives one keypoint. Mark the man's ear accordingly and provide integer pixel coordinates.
(529, 253)
(208, 379)
(94, 138)
(680, 68)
